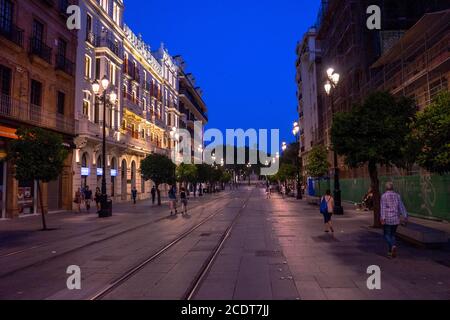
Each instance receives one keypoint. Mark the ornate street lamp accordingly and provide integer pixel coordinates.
(105, 205)
(296, 133)
(330, 86)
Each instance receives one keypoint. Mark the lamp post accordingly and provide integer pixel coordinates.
(249, 166)
(105, 206)
(330, 86)
(296, 133)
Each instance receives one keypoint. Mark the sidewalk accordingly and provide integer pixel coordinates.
(21, 233)
(350, 209)
(279, 250)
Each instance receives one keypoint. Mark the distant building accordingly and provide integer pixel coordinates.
(192, 106)
(308, 67)
(37, 89)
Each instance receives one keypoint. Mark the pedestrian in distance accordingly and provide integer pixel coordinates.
(392, 209)
(78, 199)
(153, 192)
(184, 200)
(134, 194)
(268, 192)
(98, 197)
(327, 209)
(87, 198)
(173, 200)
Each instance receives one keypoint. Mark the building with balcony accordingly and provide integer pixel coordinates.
(350, 48)
(100, 54)
(37, 89)
(308, 66)
(139, 123)
(408, 56)
(192, 107)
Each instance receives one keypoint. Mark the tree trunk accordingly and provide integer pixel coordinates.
(375, 185)
(158, 194)
(41, 202)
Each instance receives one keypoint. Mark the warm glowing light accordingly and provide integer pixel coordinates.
(327, 87)
(330, 72)
(95, 87)
(335, 78)
(113, 97)
(105, 83)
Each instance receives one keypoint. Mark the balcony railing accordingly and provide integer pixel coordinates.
(40, 49)
(35, 115)
(12, 33)
(111, 45)
(64, 64)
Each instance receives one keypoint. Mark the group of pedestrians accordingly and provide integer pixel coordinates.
(84, 196)
(392, 214)
(173, 200)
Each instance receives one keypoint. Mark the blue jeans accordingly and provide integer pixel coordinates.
(389, 235)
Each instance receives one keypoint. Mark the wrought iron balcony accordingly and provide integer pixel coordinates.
(64, 64)
(12, 33)
(40, 49)
(110, 44)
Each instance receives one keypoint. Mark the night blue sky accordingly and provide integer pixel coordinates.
(241, 52)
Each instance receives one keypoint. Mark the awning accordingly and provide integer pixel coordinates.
(8, 132)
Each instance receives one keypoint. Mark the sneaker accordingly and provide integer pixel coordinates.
(389, 255)
(394, 252)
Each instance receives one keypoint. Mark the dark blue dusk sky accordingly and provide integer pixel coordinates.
(241, 52)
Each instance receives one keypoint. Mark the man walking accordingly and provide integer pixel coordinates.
(134, 194)
(87, 198)
(392, 208)
(153, 192)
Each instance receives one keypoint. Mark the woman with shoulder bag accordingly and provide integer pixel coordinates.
(327, 209)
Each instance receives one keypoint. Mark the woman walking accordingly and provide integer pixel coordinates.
(327, 209)
(97, 198)
(184, 201)
(173, 200)
(78, 199)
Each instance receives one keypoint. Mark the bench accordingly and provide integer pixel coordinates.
(422, 235)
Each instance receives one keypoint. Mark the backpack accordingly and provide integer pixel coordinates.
(323, 206)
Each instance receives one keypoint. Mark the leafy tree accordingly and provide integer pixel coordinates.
(317, 162)
(39, 155)
(186, 173)
(431, 135)
(159, 169)
(286, 172)
(374, 133)
(203, 173)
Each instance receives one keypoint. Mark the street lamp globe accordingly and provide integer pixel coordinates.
(105, 83)
(330, 72)
(113, 97)
(327, 88)
(96, 87)
(335, 78)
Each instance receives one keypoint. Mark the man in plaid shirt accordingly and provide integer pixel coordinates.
(392, 208)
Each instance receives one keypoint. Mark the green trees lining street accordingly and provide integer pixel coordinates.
(39, 155)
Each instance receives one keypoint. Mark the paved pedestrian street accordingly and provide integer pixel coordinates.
(231, 245)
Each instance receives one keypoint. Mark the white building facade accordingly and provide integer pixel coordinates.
(144, 113)
(308, 68)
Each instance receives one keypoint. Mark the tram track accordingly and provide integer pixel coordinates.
(92, 243)
(193, 288)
